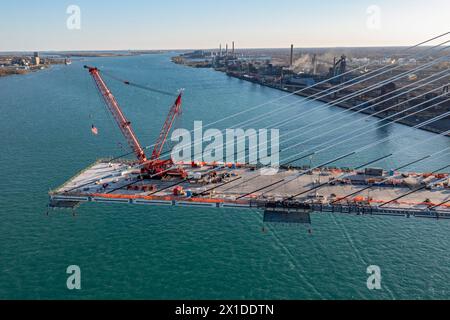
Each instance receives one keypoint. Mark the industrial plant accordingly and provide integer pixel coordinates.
(314, 72)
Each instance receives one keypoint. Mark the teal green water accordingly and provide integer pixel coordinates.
(136, 252)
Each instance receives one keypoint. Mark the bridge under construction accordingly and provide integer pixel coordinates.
(231, 186)
(286, 193)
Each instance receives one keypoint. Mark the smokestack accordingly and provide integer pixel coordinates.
(314, 64)
(226, 50)
(233, 49)
(220, 50)
(292, 56)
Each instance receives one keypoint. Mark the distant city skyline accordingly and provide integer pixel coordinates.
(48, 25)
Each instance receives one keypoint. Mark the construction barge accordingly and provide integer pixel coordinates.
(286, 194)
(232, 186)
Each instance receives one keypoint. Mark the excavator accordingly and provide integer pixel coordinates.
(153, 167)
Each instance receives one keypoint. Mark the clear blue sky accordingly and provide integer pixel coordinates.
(179, 24)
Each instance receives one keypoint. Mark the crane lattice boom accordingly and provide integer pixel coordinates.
(114, 108)
(173, 113)
(155, 165)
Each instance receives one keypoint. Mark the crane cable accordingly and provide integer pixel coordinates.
(136, 85)
(293, 93)
(126, 82)
(383, 181)
(345, 98)
(285, 180)
(108, 115)
(417, 189)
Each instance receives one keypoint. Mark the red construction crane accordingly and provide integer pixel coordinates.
(155, 165)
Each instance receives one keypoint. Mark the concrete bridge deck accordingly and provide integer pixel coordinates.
(234, 187)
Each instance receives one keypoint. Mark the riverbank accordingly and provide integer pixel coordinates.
(356, 103)
(311, 92)
(24, 63)
(10, 71)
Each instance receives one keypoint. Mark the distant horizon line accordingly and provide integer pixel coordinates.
(207, 49)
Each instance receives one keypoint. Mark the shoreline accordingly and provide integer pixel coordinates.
(59, 58)
(308, 92)
(19, 72)
(346, 106)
